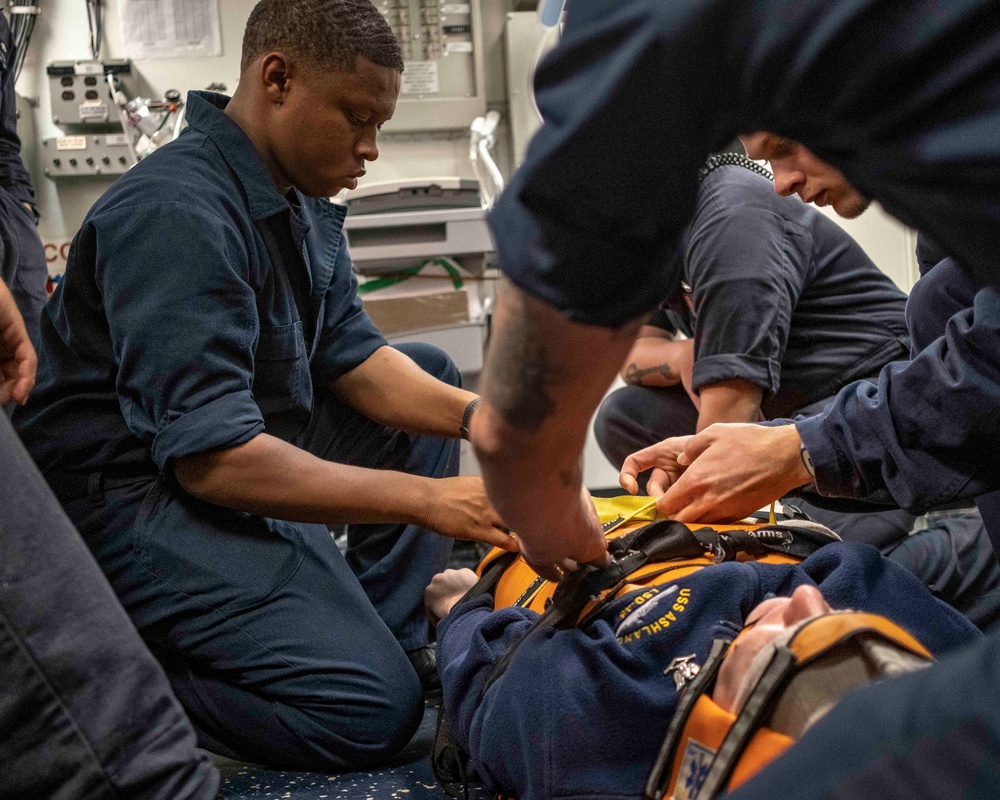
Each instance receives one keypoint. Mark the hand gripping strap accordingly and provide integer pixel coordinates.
(661, 540)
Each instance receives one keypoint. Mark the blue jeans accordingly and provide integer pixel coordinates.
(282, 650)
(85, 710)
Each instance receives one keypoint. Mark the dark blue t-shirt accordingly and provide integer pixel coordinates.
(782, 296)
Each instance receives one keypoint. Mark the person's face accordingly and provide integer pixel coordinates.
(325, 125)
(765, 622)
(797, 171)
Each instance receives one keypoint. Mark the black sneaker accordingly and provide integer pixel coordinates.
(424, 663)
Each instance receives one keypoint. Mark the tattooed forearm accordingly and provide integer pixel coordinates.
(665, 376)
(516, 372)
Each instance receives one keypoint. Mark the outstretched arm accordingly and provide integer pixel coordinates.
(543, 379)
(390, 388)
(271, 477)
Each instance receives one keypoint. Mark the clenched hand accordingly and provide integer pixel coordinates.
(460, 509)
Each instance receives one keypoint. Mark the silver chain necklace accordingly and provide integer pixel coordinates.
(735, 159)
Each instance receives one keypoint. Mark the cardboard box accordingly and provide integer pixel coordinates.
(416, 312)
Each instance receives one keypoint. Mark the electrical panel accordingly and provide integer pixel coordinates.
(79, 92)
(83, 155)
(443, 85)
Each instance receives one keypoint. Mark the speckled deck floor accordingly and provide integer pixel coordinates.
(410, 779)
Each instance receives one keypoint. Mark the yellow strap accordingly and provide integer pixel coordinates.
(619, 510)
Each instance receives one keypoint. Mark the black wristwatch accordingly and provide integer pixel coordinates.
(467, 418)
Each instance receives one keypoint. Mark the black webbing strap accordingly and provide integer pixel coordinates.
(491, 576)
(797, 540)
(449, 763)
(758, 705)
(656, 786)
(658, 541)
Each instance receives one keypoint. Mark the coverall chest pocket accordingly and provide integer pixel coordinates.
(281, 369)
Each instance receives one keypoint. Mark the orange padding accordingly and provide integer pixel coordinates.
(707, 727)
(821, 634)
(518, 577)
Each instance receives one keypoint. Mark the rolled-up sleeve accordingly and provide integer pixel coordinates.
(183, 327)
(927, 433)
(746, 268)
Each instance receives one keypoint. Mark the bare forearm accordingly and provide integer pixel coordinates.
(729, 401)
(392, 390)
(270, 477)
(543, 379)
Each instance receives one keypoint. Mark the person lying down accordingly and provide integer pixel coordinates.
(582, 707)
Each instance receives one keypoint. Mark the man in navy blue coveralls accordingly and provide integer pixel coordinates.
(211, 396)
(903, 98)
(787, 309)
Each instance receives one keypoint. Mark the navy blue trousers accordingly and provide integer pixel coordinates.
(85, 710)
(22, 261)
(282, 650)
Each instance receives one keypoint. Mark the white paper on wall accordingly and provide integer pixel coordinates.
(170, 28)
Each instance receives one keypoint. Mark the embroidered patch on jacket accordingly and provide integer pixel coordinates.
(652, 612)
(694, 770)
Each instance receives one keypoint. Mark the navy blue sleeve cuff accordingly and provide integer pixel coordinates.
(225, 422)
(340, 356)
(834, 474)
(762, 372)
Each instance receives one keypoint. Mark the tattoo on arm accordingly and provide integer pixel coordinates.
(516, 376)
(634, 375)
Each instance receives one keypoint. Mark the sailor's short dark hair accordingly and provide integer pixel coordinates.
(323, 33)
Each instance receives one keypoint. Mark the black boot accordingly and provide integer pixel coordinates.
(424, 663)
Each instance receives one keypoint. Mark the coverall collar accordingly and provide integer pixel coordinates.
(204, 115)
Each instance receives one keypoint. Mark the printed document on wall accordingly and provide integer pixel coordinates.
(170, 28)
